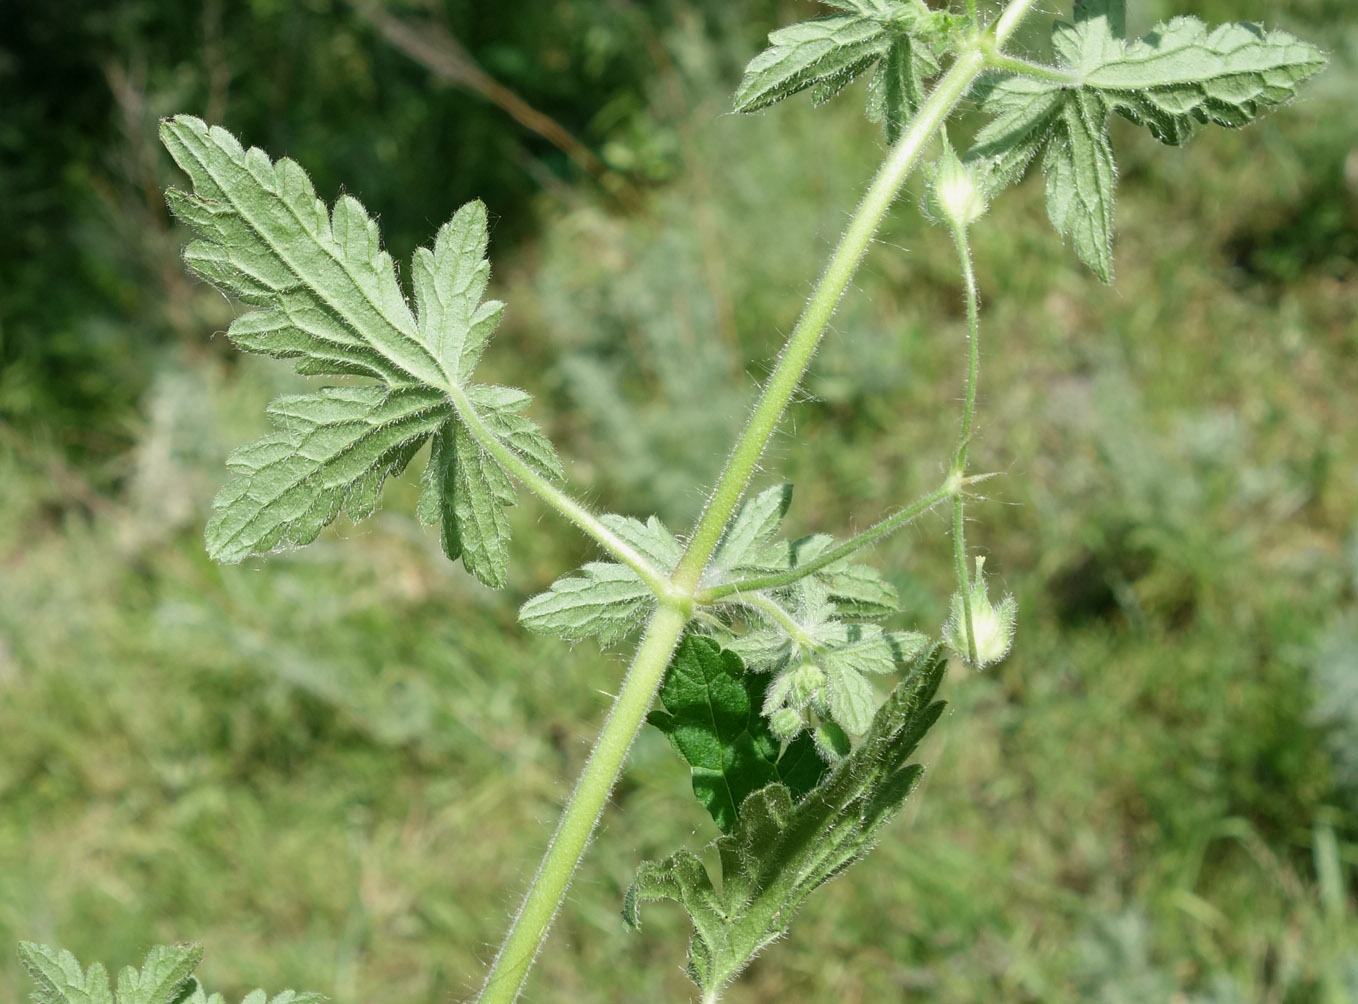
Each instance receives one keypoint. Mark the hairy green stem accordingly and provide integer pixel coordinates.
(781, 617)
(529, 928)
(1012, 64)
(801, 344)
(555, 497)
(871, 535)
(959, 463)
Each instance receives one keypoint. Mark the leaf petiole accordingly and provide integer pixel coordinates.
(556, 498)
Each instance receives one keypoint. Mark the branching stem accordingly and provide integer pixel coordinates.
(871, 535)
(529, 928)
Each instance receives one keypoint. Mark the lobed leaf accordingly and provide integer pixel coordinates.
(333, 448)
(165, 977)
(1180, 74)
(826, 54)
(329, 297)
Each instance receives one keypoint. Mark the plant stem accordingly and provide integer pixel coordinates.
(529, 929)
(959, 463)
(801, 344)
(555, 497)
(782, 618)
(1027, 68)
(872, 534)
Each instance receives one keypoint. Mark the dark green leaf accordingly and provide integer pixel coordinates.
(712, 716)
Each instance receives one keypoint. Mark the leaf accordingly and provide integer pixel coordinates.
(897, 88)
(165, 977)
(1178, 75)
(713, 717)
(1081, 176)
(824, 55)
(820, 662)
(604, 599)
(1184, 73)
(828, 49)
(784, 847)
(753, 528)
(333, 447)
(59, 978)
(329, 297)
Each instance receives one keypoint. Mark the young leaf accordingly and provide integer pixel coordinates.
(604, 599)
(820, 663)
(328, 296)
(712, 715)
(753, 528)
(826, 54)
(1180, 74)
(784, 847)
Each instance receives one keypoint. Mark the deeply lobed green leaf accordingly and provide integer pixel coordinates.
(329, 297)
(1178, 75)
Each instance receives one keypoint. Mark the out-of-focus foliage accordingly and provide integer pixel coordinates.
(1132, 807)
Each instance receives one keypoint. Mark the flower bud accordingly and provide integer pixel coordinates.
(992, 627)
(803, 682)
(786, 723)
(955, 193)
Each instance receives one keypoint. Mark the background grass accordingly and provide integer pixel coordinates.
(337, 767)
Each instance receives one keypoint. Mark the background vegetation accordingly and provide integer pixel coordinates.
(335, 767)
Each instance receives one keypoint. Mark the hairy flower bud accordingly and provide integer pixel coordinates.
(992, 626)
(786, 723)
(955, 193)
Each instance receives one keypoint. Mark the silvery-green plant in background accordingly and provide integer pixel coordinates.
(768, 655)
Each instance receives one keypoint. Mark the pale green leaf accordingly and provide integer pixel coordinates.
(1080, 179)
(328, 291)
(605, 599)
(826, 54)
(59, 979)
(753, 528)
(329, 297)
(1184, 73)
(602, 599)
(1180, 74)
(164, 977)
(825, 50)
(331, 448)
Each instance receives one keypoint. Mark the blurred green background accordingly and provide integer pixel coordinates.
(337, 767)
